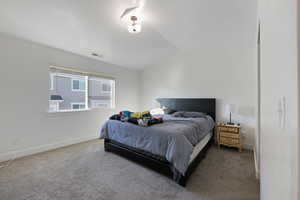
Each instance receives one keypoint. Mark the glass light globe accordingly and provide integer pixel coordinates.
(134, 28)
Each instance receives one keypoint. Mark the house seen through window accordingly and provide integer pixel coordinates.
(71, 91)
(78, 85)
(77, 106)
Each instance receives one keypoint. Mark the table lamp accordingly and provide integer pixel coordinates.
(230, 108)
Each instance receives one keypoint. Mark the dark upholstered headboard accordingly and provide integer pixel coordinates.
(206, 105)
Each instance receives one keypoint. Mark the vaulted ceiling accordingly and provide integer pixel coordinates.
(83, 27)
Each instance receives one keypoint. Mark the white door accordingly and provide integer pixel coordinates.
(279, 100)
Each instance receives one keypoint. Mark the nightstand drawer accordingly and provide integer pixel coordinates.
(229, 129)
(230, 135)
(229, 141)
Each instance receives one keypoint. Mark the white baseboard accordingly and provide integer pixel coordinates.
(257, 174)
(248, 147)
(252, 148)
(38, 149)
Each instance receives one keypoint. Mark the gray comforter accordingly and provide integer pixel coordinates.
(174, 139)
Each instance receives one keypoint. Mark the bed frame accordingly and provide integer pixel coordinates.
(158, 163)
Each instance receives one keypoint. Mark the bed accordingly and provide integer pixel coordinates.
(173, 148)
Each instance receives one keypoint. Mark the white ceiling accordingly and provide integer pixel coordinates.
(86, 26)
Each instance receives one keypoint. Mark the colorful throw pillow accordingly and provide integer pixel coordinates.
(146, 115)
(125, 113)
(136, 115)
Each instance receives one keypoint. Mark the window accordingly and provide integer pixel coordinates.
(72, 91)
(101, 92)
(78, 106)
(106, 88)
(78, 85)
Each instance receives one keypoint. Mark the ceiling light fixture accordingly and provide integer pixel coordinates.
(134, 26)
(132, 15)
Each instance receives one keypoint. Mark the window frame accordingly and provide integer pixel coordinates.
(52, 81)
(85, 76)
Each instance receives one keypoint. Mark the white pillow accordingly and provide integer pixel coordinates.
(157, 111)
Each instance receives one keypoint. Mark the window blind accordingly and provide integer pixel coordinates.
(54, 69)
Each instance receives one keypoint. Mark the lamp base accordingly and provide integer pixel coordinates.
(230, 123)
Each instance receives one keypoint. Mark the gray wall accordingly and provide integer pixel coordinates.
(26, 126)
(226, 71)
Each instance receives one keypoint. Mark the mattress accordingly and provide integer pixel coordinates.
(174, 139)
(200, 146)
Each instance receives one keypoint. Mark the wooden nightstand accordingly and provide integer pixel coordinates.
(229, 135)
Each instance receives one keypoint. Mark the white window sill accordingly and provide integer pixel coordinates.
(102, 108)
(106, 92)
(81, 110)
(68, 111)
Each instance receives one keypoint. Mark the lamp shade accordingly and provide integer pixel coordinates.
(230, 108)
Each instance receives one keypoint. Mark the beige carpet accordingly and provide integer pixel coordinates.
(86, 172)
